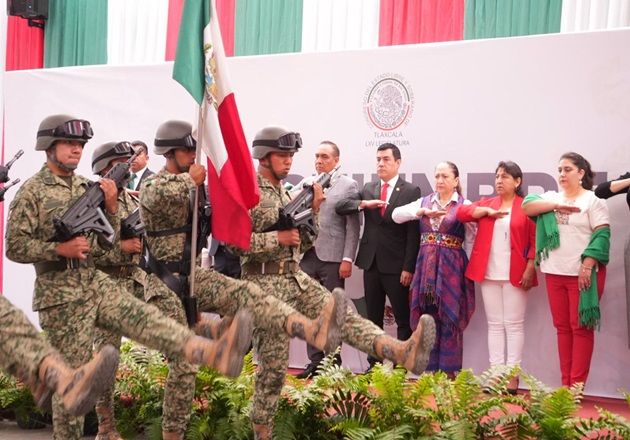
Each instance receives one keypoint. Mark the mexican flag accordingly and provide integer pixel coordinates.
(201, 67)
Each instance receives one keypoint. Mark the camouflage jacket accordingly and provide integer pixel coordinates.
(114, 256)
(264, 246)
(42, 198)
(164, 205)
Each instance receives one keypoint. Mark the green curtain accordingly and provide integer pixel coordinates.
(267, 26)
(76, 33)
(510, 18)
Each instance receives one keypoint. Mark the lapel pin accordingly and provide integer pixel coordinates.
(397, 189)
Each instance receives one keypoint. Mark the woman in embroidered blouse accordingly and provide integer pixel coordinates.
(439, 286)
(502, 260)
(572, 242)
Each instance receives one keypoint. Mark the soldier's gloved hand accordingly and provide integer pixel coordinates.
(110, 192)
(131, 246)
(198, 173)
(290, 237)
(318, 197)
(76, 247)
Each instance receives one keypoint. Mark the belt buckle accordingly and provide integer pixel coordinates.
(122, 273)
(262, 268)
(281, 268)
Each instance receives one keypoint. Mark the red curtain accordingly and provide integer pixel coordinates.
(420, 21)
(25, 45)
(172, 28)
(225, 12)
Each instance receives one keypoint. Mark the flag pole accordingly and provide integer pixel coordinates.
(195, 210)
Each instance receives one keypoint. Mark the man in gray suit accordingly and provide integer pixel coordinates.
(330, 260)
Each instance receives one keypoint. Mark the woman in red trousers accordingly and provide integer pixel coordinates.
(572, 242)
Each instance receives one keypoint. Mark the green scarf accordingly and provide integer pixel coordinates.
(547, 232)
(598, 248)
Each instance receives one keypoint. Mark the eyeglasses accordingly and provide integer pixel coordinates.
(289, 140)
(73, 129)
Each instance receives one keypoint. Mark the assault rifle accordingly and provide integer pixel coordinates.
(86, 214)
(4, 174)
(298, 212)
(132, 226)
(6, 187)
(4, 169)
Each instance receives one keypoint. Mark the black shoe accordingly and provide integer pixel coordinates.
(309, 371)
(369, 369)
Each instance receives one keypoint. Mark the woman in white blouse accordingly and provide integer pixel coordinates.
(439, 286)
(573, 249)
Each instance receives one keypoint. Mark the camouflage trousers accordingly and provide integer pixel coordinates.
(219, 294)
(22, 348)
(307, 296)
(102, 337)
(102, 303)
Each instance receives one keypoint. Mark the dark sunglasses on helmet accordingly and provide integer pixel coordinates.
(124, 148)
(185, 142)
(289, 140)
(74, 129)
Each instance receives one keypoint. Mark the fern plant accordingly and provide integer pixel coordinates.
(383, 405)
(16, 396)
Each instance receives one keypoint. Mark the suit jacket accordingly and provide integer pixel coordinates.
(147, 173)
(393, 247)
(522, 239)
(338, 234)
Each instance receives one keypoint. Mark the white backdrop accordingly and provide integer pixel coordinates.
(475, 103)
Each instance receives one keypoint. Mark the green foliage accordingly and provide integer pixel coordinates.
(139, 389)
(337, 404)
(16, 396)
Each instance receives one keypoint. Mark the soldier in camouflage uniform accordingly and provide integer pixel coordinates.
(165, 211)
(120, 262)
(273, 263)
(25, 354)
(71, 296)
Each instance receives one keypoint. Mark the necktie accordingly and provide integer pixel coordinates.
(132, 180)
(384, 197)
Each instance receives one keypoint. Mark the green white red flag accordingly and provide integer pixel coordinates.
(201, 67)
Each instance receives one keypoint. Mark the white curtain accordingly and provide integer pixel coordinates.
(339, 25)
(585, 15)
(136, 31)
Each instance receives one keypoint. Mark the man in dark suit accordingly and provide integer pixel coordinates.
(388, 251)
(138, 168)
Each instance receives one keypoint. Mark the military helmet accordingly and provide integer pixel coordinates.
(104, 154)
(275, 138)
(173, 134)
(62, 128)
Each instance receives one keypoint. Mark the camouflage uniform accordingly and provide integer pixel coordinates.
(296, 289)
(124, 271)
(22, 349)
(72, 301)
(164, 205)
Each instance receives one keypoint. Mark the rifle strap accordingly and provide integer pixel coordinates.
(163, 270)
